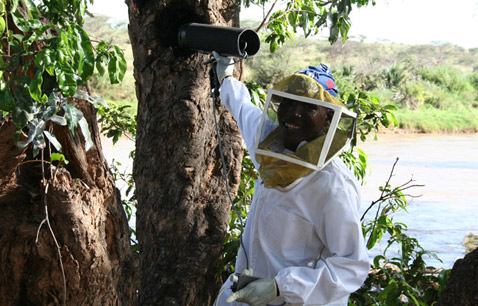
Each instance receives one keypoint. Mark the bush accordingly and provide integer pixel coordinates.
(447, 77)
(435, 95)
(473, 79)
(413, 95)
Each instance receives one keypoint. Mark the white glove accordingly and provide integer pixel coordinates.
(256, 293)
(224, 66)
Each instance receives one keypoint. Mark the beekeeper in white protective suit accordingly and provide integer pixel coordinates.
(303, 237)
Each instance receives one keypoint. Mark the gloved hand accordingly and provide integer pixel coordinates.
(256, 293)
(224, 66)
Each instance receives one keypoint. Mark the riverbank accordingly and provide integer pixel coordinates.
(432, 120)
(470, 242)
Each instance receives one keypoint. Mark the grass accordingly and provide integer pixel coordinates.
(435, 120)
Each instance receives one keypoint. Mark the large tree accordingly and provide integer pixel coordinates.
(64, 237)
(183, 209)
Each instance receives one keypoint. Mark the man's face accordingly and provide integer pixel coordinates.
(300, 121)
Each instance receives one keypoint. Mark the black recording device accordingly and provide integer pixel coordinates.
(239, 281)
(227, 41)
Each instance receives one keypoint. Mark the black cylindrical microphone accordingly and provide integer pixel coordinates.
(227, 41)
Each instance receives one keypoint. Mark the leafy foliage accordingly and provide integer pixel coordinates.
(116, 123)
(44, 64)
(309, 16)
(129, 201)
(400, 279)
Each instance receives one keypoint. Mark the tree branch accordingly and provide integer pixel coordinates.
(265, 24)
(382, 194)
(385, 196)
(267, 16)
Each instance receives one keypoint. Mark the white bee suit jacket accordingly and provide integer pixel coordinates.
(307, 235)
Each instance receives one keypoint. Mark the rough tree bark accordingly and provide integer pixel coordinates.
(462, 286)
(183, 210)
(85, 216)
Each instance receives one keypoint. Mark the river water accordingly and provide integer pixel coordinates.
(447, 207)
(447, 165)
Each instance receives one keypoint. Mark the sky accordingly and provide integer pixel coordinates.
(400, 21)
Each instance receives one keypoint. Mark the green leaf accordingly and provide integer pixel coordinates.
(87, 63)
(53, 99)
(113, 69)
(377, 259)
(59, 120)
(2, 25)
(86, 133)
(35, 35)
(122, 61)
(58, 157)
(66, 78)
(53, 140)
(13, 5)
(116, 65)
(389, 289)
(7, 102)
(38, 144)
(48, 59)
(32, 10)
(35, 130)
(35, 86)
(393, 119)
(21, 24)
(292, 18)
(273, 46)
(389, 106)
(101, 65)
(23, 109)
(73, 116)
(103, 47)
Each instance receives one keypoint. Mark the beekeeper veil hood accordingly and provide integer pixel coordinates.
(303, 127)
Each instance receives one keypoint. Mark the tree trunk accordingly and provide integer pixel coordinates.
(462, 286)
(183, 209)
(86, 218)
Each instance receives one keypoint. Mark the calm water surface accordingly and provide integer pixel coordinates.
(447, 207)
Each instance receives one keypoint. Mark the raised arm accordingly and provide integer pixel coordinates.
(236, 98)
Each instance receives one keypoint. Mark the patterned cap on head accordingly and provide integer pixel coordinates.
(323, 75)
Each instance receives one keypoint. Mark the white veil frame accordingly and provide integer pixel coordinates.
(339, 112)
